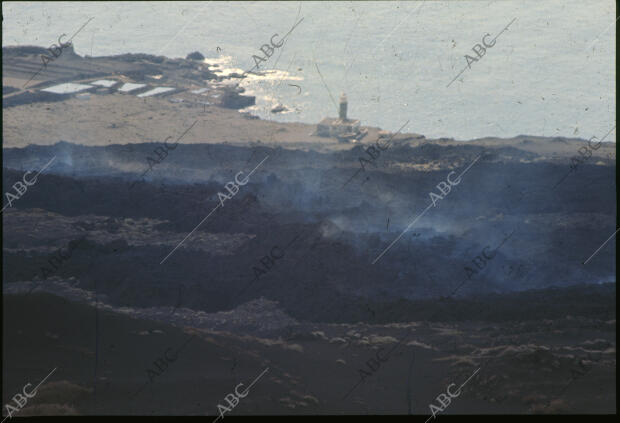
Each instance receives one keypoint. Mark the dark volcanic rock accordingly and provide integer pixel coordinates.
(279, 109)
(195, 56)
(31, 97)
(22, 51)
(139, 57)
(8, 90)
(232, 100)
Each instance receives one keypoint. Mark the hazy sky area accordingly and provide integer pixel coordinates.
(551, 73)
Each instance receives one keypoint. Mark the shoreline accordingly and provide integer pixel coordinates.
(216, 101)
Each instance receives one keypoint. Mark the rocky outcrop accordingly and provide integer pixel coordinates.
(231, 99)
(279, 109)
(195, 56)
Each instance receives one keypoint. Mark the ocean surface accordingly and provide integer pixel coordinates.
(550, 73)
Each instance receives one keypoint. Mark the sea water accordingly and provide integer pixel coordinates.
(551, 73)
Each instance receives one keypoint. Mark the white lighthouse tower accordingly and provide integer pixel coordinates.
(343, 107)
(342, 127)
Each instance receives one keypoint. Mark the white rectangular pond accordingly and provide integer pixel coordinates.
(105, 83)
(130, 86)
(66, 88)
(155, 91)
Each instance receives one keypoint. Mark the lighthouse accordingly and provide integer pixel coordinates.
(342, 128)
(343, 107)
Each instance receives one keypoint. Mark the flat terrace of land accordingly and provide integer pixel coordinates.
(125, 119)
